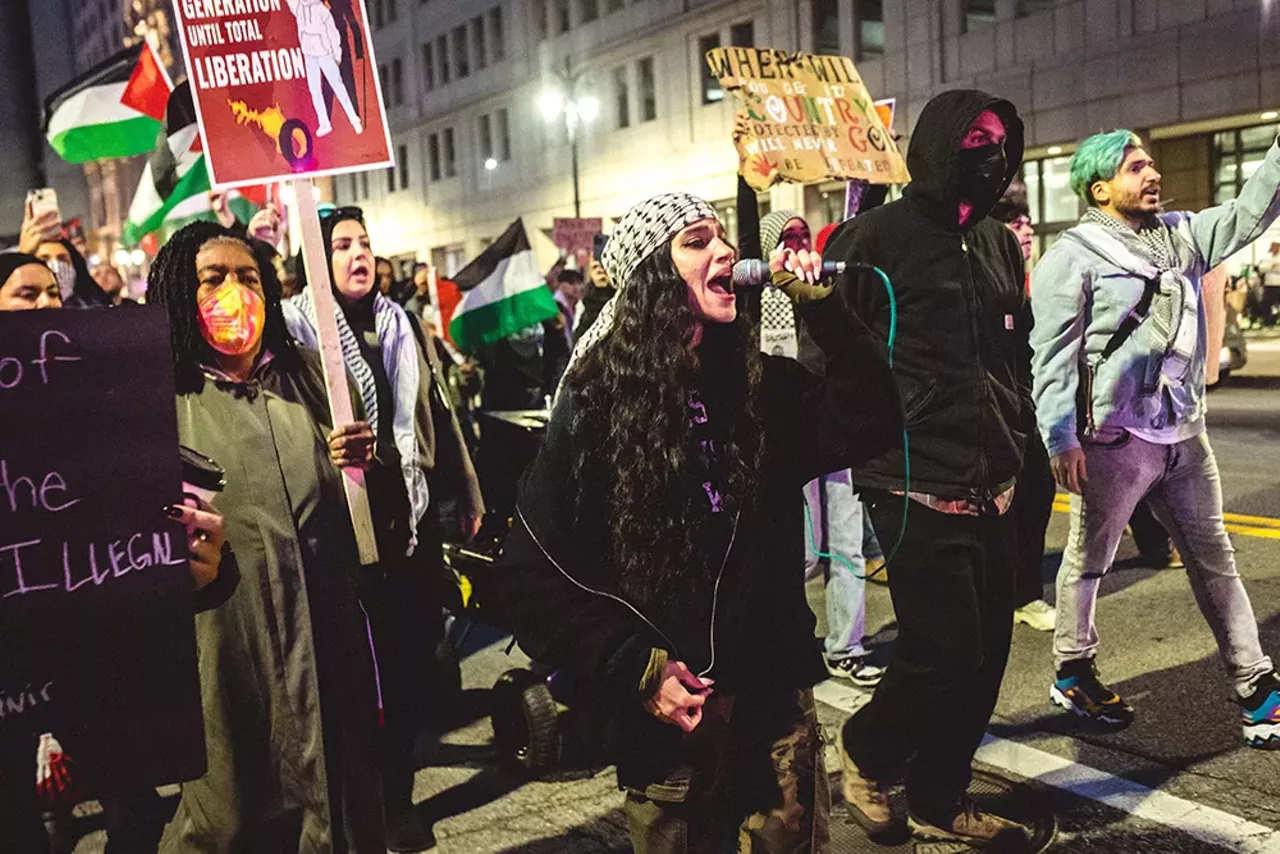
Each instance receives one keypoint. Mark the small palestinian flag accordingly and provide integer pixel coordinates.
(113, 110)
(175, 182)
(502, 293)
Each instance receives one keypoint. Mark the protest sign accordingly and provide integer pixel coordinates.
(810, 119)
(97, 637)
(283, 88)
(575, 235)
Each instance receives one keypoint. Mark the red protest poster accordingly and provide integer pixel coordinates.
(284, 88)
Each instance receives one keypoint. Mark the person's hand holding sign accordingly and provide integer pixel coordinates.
(352, 445)
(205, 537)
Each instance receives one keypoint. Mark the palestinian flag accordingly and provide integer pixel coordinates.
(113, 110)
(175, 182)
(502, 293)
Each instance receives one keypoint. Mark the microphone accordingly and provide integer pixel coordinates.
(754, 273)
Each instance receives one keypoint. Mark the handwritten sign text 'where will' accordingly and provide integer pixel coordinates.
(809, 118)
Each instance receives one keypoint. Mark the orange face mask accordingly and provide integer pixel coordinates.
(232, 318)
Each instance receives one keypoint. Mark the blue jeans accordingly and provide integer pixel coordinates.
(837, 529)
(1182, 485)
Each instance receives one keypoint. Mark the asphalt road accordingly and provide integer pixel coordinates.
(1179, 780)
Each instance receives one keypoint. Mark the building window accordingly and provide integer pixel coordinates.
(588, 11)
(496, 31)
(450, 155)
(743, 34)
(385, 80)
(392, 12)
(504, 136)
(460, 65)
(648, 90)
(442, 50)
(364, 185)
(826, 27)
(391, 180)
(1237, 154)
(433, 156)
(402, 164)
(711, 91)
(428, 67)
(870, 24)
(486, 138)
(1054, 207)
(978, 13)
(378, 19)
(562, 16)
(478, 43)
(540, 19)
(622, 96)
(397, 82)
(1027, 8)
(355, 187)
(611, 6)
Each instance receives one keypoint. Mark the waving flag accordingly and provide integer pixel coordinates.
(502, 293)
(113, 110)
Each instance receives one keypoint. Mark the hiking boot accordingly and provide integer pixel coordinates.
(858, 669)
(407, 833)
(868, 799)
(1078, 690)
(970, 826)
(1039, 615)
(1260, 713)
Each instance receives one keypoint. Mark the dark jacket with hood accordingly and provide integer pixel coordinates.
(960, 355)
(752, 631)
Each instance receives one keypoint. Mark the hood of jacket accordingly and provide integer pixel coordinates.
(933, 158)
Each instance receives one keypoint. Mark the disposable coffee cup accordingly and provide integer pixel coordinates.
(202, 477)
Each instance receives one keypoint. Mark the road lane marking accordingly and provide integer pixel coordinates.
(1200, 821)
(1263, 527)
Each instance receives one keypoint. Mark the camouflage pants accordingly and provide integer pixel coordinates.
(754, 770)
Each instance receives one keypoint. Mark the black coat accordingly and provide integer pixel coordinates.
(561, 594)
(963, 321)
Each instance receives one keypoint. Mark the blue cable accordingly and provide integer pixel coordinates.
(906, 455)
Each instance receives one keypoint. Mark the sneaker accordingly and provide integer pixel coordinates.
(868, 799)
(1078, 690)
(1039, 615)
(857, 669)
(970, 826)
(875, 570)
(1260, 713)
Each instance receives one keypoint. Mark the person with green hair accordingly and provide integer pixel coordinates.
(1119, 351)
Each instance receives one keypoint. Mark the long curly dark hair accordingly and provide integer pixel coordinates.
(633, 460)
(173, 283)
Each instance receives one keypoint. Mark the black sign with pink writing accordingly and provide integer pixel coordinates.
(97, 639)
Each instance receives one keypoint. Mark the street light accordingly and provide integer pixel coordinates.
(491, 164)
(580, 110)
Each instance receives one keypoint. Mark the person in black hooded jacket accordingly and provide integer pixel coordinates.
(960, 359)
(657, 533)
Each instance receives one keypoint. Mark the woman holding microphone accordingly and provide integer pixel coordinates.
(656, 537)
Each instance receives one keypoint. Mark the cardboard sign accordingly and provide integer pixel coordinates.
(284, 88)
(575, 236)
(97, 634)
(810, 119)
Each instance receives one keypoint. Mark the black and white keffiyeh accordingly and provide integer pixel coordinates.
(642, 230)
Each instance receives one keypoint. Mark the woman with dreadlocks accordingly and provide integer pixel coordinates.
(657, 535)
(285, 671)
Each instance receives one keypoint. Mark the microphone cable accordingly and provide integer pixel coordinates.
(906, 452)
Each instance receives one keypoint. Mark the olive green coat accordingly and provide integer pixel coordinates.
(289, 698)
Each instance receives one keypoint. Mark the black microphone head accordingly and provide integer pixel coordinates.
(750, 273)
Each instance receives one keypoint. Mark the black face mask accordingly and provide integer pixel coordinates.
(981, 173)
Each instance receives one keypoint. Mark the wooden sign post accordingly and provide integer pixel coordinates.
(335, 367)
